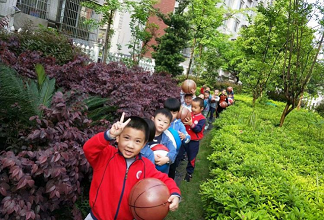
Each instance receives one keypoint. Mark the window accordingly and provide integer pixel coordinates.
(236, 25)
(72, 19)
(36, 8)
(241, 4)
(230, 3)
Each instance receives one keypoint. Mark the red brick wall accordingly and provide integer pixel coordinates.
(166, 7)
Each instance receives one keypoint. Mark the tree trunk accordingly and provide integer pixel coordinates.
(284, 114)
(191, 57)
(254, 98)
(107, 37)
(300, 100)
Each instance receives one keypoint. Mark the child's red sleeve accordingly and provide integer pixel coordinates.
(94, 147)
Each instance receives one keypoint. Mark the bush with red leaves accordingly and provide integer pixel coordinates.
(39, 180)
(46, 173)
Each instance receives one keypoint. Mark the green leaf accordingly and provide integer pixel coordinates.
(40, 74)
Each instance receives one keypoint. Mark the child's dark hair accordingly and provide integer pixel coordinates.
(139, 123)
(200, 101)
(165, 112)
(151, 127)
(207, 91)
(172, 104)
(187, 95)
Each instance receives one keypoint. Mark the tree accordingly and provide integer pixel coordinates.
(142, 32)
(232, 56)
(205, 18)
(167, 53)
(259, 49)
(212, 59)
(300, 54)
(107, 10)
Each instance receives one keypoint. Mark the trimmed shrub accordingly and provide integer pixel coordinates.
(262, 171)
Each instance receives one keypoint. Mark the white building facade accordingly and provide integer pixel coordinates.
(67, 16)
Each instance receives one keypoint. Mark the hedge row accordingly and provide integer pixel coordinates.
(262, 171)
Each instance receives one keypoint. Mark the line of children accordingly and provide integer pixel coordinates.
(117, 170)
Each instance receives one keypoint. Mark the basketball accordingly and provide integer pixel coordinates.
(229, 89)
(160, 149)
(174, 137)
(148, 199)
(223, 104)
(230, 101)
(184, 113)
(188, 85)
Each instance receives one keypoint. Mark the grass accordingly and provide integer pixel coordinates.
(191, 206)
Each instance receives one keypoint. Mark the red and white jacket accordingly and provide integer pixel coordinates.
(197, 128)
(112, 181)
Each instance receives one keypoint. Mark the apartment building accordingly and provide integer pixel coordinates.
(67, 16)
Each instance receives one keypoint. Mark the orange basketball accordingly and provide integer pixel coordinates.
(223, 104)
(184, 113)
(188, 85)
(148, 199)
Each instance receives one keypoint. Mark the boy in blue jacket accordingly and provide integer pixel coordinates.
(162, 119)
(174, 105)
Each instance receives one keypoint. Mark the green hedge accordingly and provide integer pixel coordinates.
(262, 171)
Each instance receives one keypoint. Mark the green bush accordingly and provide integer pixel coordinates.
(320, 109)
(46, 40)
(262, 171)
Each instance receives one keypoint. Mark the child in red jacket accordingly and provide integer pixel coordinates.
(195, 127)
(116, 171)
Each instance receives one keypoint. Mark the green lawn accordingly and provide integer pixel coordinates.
(191, 206)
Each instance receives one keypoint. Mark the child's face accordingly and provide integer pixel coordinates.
(188, 100)
(195, 108)
(201, 96)
(161, 122)
(174, 114)
(216, 92)
(224, 92)
(206, 95)
(130, 142)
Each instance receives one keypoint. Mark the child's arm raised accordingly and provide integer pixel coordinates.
(118, 127)
(95, 145)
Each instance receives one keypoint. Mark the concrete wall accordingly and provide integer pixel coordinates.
(6, 9)
(22, 19)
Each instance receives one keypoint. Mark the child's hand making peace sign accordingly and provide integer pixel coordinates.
(118, 127)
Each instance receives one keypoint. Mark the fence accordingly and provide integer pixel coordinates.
(94, 51)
